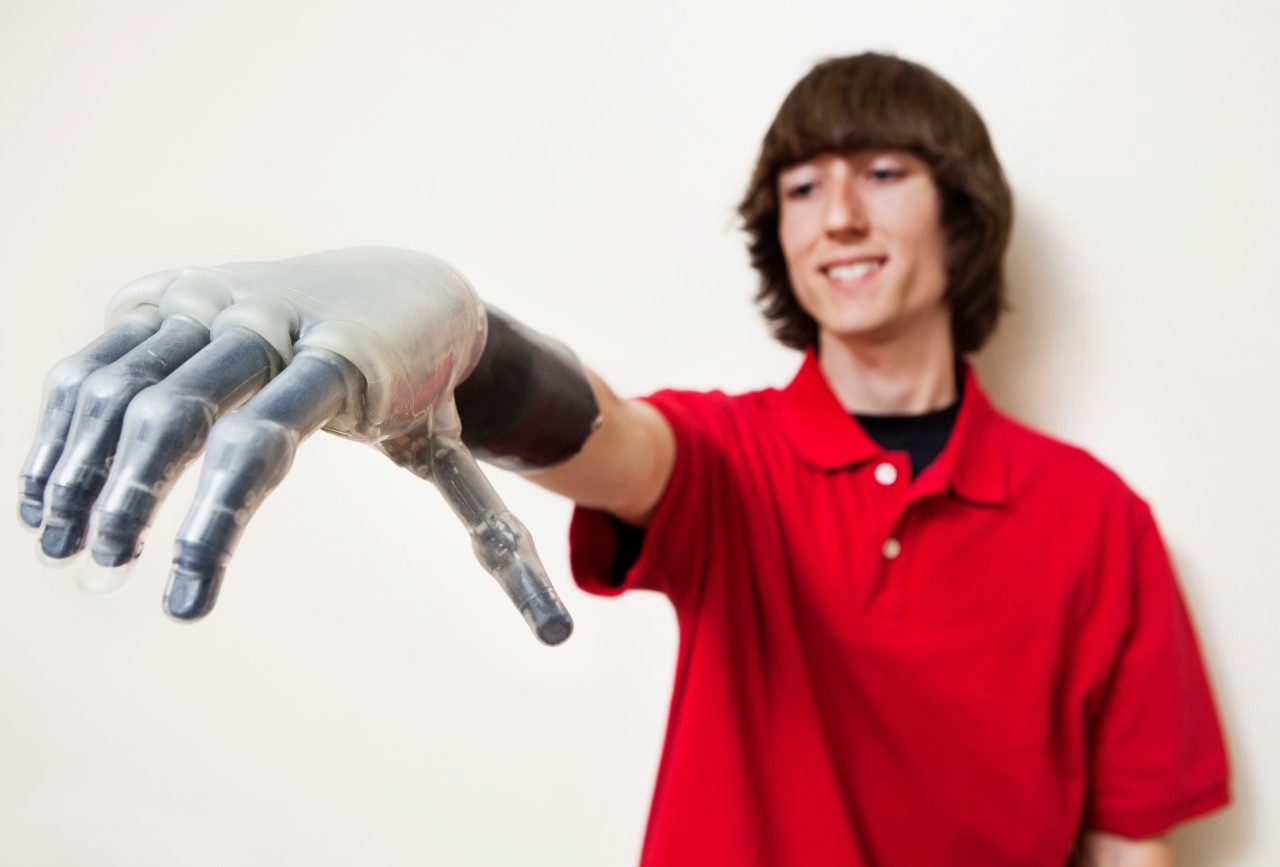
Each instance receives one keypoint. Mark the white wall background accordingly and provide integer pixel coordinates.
(364, 694)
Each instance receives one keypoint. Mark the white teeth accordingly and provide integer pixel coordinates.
(854, 271)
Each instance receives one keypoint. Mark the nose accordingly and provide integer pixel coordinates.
(846, 215)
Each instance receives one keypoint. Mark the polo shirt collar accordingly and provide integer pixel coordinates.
(826, 436)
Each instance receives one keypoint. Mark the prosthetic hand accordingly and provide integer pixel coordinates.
(369, 343)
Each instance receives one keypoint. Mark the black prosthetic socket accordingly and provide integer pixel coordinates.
(528, 402)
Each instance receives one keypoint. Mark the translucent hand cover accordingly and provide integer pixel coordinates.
(368, 343)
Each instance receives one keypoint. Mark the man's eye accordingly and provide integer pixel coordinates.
(800, 191)
(886, 174)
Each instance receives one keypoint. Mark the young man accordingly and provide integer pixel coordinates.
(912, 631)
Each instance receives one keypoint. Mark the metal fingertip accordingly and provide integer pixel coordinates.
(189, 597)
(117, 539)
(50, 560)
(548, 619)
(66, 519)
(555, 630)
(98, 580)
(30, 502)
(61, 540)
(30, 515)
(194, 580)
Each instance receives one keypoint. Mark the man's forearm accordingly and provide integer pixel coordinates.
(529, 405)
(624, 466)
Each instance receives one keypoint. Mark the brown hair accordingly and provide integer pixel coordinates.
(879, 101)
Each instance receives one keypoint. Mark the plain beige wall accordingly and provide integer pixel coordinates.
(364, 693)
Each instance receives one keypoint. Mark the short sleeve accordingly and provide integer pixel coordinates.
(671, 554)
(1157, 755)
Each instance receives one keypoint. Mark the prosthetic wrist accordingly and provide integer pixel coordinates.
(527, 404)
(368, 343)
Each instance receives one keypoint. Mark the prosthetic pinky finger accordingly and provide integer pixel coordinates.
(249, 453)
(61, 390)
(91, 442)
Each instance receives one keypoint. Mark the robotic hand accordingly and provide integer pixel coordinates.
(369, 343)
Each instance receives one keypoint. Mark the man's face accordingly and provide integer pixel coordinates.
(864, 245)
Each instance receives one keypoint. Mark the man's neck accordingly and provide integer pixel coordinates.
(898, 377)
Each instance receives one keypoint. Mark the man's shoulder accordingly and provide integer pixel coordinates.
(1044, 460)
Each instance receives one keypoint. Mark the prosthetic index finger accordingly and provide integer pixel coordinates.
(249, 454)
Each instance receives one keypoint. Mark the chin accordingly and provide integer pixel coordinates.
(854, 324)
(867, 333)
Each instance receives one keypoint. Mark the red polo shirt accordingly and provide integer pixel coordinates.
(963, 669)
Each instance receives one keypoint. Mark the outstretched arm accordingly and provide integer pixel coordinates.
(625, 464)
(530, 406)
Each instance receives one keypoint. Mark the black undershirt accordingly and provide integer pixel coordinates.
(922, 437)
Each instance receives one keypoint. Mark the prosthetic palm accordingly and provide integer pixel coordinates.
(368, 343)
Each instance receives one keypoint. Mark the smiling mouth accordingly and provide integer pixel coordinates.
(848, 272)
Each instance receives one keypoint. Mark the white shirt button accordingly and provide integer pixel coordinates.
(892, 548)
(886, 473)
